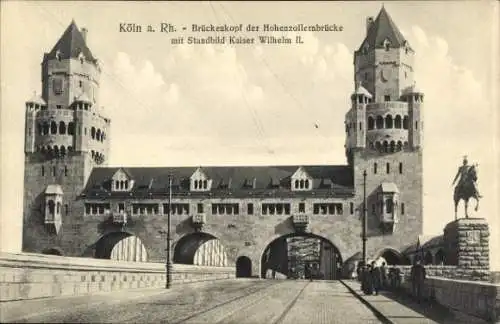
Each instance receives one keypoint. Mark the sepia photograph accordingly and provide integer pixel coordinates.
(270, 162)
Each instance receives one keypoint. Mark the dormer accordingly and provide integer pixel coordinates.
(301, 180)
(199, 181)
(250, 183)
(121, 181)
(81, 58)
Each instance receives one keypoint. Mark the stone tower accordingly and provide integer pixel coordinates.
(384, 133)
(66, 135)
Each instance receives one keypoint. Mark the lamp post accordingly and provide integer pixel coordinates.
(364, 217)
(169, 261)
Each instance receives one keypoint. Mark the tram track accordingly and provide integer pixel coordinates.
(225, 313)
(232, 300)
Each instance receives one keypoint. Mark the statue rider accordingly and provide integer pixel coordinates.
(462, 173)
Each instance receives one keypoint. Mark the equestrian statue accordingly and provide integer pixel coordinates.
(466, 186)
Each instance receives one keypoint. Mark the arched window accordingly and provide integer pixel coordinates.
(62, 128)
(400, 167)
(205, 184)
(301, 184)
(63, 151)
(416, 125)
(56, 150)
(406, 145)
(393, 146)
(371, 123)
(53, 127)
(49, 150)
(405, 122)
(195, 184)
(375, 168)
(380, 122)
(117, 185)
(400, 145)
(371, 145)
(71, 128)
(388, 121)
(92, 153)
(51, 207)
(70, 149)
(307, 184)
(102, 136)
(389, 206)
(46, 128)
(388, 167)
(98, 134)
(126, 184)
(58, 208)
(378, 146)
(92, 132)
(386, 146)
(397, 122)
(296, 184)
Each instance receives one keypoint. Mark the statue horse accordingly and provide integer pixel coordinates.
(466, 190)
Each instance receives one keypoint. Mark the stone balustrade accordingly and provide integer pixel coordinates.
(29, 276)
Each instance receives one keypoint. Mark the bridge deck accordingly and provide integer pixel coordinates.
(250, 301)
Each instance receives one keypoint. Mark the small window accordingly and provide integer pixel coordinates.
(402, 209)
(66, 209)
(388, 167)
(65, 171)
(80, 84)
(387, 98)
(121, 207)
(54, 171)
(302, 207)
(58, 106)
(43, 170)
(351, 205)
(200, 208)
(375, 168)
(250, 209)
(400, 167)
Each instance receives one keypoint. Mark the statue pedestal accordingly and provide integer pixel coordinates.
(466, 241)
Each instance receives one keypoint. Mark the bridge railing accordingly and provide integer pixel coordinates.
(28, 276)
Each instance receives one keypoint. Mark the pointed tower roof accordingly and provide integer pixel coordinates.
(361, 90)
(37, 99)
(71, 44)
(381, 29)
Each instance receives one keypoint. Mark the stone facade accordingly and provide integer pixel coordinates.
(394, 190)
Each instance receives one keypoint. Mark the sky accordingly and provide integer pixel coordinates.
(259, 104)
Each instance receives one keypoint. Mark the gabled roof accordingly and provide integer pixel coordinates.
(381, 29)
(70, 45)
(154, 180)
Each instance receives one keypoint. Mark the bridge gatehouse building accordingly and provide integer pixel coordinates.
(248, 216)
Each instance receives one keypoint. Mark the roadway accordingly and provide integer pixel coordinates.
(251, 301)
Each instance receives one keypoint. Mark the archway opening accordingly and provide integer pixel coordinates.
(428, 258)
(391, 257)
(243, 267)
(200, 249)
(440, 257)
(300, 256)
(52, 251)
(120, 246)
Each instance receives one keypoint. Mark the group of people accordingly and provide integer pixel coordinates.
(376, 278)
(373, 278)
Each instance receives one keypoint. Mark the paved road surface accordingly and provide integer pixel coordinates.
(235, 301)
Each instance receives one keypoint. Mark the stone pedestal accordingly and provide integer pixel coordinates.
(466, 242)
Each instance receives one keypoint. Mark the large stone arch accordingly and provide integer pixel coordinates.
(329, 259)
(120, 246)
(200, 248)
(391, 256)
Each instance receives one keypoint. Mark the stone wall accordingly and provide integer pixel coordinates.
(469, 298)
(29, 276)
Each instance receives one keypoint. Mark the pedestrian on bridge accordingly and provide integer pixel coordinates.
(376, 277)
(417, 276)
